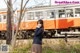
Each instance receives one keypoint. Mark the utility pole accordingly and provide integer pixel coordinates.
(50, 2)
(9, 24)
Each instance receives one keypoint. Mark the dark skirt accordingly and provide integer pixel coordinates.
(36, 48)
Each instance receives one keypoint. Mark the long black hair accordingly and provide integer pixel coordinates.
(41, 22)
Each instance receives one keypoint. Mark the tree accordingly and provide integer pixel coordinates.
(11, 37)
(9, 26)
(22, 12)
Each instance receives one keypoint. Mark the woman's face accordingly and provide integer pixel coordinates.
(39, 24)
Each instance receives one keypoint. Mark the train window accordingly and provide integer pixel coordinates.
(77, 12)
(4, 17)
(17, 16)
(30, 15)
(61, 13)
(69, 12)
(39, 15)
(50, 14)
(0, 18)
(25, 16)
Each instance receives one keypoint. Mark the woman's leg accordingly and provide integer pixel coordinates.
(33, 52)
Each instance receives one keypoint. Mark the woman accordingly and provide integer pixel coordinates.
(37, 41)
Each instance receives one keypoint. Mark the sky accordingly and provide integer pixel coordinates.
(32, 3)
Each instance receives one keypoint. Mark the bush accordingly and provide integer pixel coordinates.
(62, 47)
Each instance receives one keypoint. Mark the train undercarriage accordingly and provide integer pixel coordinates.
(51, 33)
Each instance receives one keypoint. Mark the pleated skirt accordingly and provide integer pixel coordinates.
(36, 48)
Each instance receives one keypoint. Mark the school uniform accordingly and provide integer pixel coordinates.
(37, 41)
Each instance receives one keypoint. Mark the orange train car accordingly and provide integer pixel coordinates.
(53, 24)
(56, 18)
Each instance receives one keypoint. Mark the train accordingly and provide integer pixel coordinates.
(56, 18)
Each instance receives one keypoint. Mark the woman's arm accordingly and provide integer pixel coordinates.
(38, 31)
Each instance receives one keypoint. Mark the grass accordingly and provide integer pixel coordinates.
(73, 49)
(51, 47)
